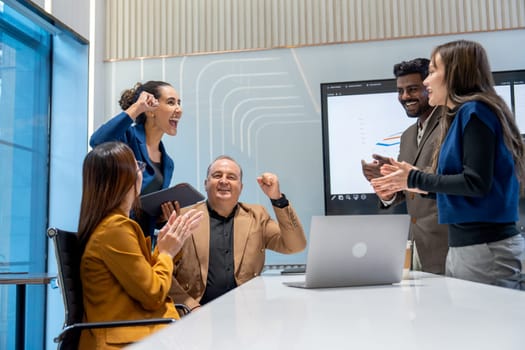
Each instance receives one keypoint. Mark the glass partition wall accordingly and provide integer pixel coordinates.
(31, 46)
(24, 139)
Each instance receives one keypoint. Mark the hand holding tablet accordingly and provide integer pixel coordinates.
(183, 193)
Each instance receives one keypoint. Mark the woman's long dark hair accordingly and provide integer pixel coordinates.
(108, 173)
(468, 78)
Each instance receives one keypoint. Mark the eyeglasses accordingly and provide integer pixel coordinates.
(141, 165)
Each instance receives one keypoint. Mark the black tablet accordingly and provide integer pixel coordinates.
(184, 193)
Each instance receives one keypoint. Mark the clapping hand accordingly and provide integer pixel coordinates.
(394, 179)
(178, 228)
(372, 170)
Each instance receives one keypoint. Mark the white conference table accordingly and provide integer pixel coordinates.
(423, 312)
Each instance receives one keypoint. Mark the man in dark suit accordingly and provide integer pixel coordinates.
(430, 239)
(228, 248)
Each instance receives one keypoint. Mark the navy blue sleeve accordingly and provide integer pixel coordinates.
(479, 148)
(113, 130)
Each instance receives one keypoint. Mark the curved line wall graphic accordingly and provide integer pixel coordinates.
(236, 90)
(199, 79)
(266, 117)
(257, 109)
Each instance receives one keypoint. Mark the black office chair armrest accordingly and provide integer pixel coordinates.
(111, 324)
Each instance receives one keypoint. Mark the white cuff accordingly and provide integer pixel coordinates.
(389, 202)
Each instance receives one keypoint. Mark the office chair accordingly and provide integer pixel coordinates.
(68, 261)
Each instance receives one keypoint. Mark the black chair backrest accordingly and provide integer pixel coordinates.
(67, 254)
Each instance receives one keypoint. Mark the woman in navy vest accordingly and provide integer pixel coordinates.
(150, 110)
(479, 168)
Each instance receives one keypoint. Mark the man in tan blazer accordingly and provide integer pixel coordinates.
(228, 248)
(417, 145)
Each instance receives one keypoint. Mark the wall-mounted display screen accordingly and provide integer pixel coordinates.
(364, 117)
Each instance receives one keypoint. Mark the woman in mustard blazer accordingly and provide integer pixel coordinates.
(121, 278)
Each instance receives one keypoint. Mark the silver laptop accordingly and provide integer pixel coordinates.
(355, 250)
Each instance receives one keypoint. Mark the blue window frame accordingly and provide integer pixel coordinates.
(25, 61)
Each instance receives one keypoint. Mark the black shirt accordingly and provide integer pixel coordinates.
(221, 278)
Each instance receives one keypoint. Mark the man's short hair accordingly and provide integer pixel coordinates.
(417, 65)
(223, 157)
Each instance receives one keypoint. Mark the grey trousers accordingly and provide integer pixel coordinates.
(499, 263)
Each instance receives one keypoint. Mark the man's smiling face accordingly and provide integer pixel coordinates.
(223, 185)
(412, 94)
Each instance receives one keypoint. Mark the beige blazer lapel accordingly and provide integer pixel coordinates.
(241, 231)
(201, 242)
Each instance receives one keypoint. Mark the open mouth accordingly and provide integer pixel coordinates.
(174, 122)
